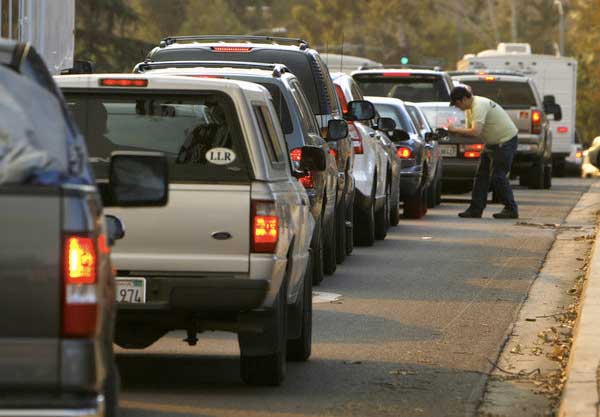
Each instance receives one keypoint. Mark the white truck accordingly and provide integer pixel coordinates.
(553, 75)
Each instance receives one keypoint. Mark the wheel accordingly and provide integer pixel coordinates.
(111, 391)
(341, 233)
(432, 194)
(364, 229)
(548, 177)
(536, 176)
(438, 197)
(269, 369)
(317, 248)
(395, 210)
(349, 231)
(382, 217)
(329, 247)
(416, 207)
(299, 350)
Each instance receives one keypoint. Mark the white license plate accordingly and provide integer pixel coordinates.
(524, 147)
(449, 150)
(131, 290)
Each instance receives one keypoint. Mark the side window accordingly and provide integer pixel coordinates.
(331, 95)
(356, 93)
(307, 118)
(268, 133)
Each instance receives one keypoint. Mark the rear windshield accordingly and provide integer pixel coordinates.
(417, 88)
(400, 116)
(443, 116)
(185, 127)
(297, 62)
(508, 94)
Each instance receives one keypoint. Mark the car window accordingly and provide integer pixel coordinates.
(281, 107)
(356, 93)
(508, 94)
(329, 88)
(400, 116)
(410, 87)
(309, 124)
(441, 117)
(200, 134)
(414, 114)
(268, 133)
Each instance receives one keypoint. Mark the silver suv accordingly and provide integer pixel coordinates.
(230, 251)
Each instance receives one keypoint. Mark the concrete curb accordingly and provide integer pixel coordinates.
(580, 397)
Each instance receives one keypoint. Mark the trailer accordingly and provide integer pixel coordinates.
(49, 25)
(553, 75)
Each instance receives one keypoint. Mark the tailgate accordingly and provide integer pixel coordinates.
(30, 255)
(181, 236)
(521, 118)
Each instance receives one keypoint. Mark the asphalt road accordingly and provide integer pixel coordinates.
(421, 315)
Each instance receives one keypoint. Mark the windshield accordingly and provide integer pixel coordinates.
(417, 88)
(438, 116)
(399, 114)
(186, 128)
(508, 94)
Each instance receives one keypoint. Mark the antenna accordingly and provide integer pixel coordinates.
(342, 54)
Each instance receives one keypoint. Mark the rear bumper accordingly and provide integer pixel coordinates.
(92, 408)
(459, 170)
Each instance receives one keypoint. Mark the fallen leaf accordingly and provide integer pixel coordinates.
(516, 349)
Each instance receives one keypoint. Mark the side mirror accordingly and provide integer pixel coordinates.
(311, 158)
(399, 135)
(386, 124)
(430, 137)
(551, 107)
(337, 130)
(138, 179)
(360, 110)
(114, 229)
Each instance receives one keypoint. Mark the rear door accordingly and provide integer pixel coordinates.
(206, 225)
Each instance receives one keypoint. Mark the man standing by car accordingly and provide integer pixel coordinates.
(490, 122)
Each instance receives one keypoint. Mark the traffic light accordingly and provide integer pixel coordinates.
(404, 60)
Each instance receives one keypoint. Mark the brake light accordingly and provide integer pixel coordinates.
(578, 154)
(296, 154)
(562, 129)
(80, 305)
(355, 136)
(265, 227)
(333, 152)
(489, 78)
(123, 82)
(230, 49)
(472, 154)
(404, 153)
(536, 121)
(342, 98)
(396, 74)
(307, 181)
(477, 147)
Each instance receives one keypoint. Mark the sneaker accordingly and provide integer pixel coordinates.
(506, 214)
(469, 214)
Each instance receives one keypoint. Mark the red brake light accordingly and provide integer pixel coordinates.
(404, 153)
(536, 121)
(355, 136)
(489, 78)
(307, 181)
(296, 154)
(230, 49)
(478, 147)
(472, 154)
(265, 227)
(123, 82)
(80, 308)
(562, 129)
(342, 98)
(397, 74)
(578, 154)
(333, 152)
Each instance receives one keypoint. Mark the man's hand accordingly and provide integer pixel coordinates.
(450, 128)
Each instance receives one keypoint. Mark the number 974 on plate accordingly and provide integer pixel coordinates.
(131, 290)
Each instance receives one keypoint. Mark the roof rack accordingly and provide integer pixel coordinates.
(170, 40)
(487, 72)
(278, 69)
(402, 66)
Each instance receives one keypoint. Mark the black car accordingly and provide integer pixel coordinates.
(307, 65)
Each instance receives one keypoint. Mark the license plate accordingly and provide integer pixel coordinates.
(524, 147)
(448, 150)
(131, 290)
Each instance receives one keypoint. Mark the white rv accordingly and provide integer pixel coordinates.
(553, 75)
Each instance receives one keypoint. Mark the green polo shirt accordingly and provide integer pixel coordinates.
(497, 126)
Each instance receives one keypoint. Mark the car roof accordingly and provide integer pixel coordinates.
(385, 100)
(478, 77)
(250, 72)
(400, 70)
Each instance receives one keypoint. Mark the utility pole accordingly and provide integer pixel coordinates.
(513, 22)
(561, 25)
(492, 14)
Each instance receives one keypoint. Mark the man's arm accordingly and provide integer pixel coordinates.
(474, 130)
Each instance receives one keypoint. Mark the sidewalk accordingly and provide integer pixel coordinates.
(581, 394)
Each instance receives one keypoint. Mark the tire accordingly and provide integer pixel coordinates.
(299, 350)
(439, 187)
(111, 391)
(416, 207)
(431, 194)
(329, 247)
(535, 179)
(395, 211)
(349, 232)
(341, 233)
(317, 247)
(364, 229)
(382, 218)
(270, 370)
(548, 177)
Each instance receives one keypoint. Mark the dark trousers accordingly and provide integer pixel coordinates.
(494, 165)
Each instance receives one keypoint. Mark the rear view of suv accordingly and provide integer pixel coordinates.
(306, 64)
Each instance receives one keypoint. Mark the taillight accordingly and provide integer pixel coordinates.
(404, 153)
(357, 141)
(536, 121)
(307, 181)
(472, 154)
(402, 74)
(333, 152)
(477, 147)
(562, 129)
(342, 98)
(489, 78)
(296, 154)
(230, 49)
(80, 305)
(265, 227)
(123, 82)
(578, 154)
